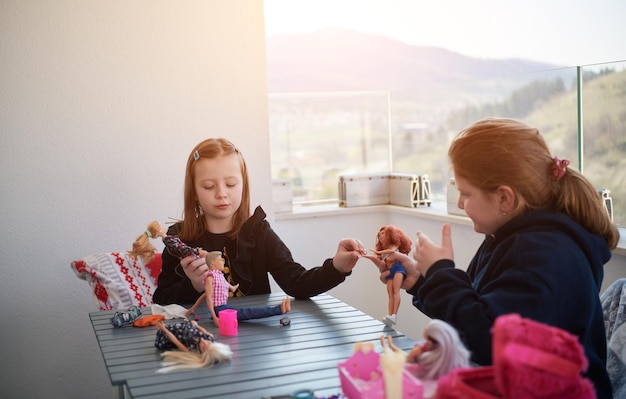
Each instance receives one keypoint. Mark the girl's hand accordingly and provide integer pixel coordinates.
(195, 269)
(426, 253)
(349, 251)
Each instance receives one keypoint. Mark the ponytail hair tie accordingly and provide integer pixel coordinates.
(559, 168)
(148, 234)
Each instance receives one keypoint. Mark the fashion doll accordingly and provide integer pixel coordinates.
(216, 293)
(143, 248)
(196, 346)
(441, 352)
(389, 240)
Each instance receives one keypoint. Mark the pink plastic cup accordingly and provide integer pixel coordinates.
(228, 322)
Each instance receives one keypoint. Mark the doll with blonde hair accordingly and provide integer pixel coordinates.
(196, 346)
(441, 352)
(391, 239)
(143, 248)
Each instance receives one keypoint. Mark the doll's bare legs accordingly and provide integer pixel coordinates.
(285, 306)
(391, 345)
(393, 291)
(390, 304)
(396, 283)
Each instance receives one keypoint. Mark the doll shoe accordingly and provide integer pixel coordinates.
(120, 319)
(390, 320)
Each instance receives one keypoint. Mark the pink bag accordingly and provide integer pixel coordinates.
(531, 360)
(472, 383)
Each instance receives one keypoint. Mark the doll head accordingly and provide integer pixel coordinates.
(446, 351)
(193, 223)
(142, 247)
(215, 260)
(391, 235)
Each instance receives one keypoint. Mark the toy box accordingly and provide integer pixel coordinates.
(363, 189)
(362, 378)
(380, 189)
(409, 190)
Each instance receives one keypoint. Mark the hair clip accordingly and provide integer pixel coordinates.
(559, 167)
(148, 234)
(196, 155)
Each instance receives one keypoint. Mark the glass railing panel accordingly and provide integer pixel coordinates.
(604, 131)
(315, 137)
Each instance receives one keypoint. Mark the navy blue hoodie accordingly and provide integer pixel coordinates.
(541, 265)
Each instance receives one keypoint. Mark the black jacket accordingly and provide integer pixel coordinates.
(256, 252)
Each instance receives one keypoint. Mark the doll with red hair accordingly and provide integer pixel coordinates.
(391, 239)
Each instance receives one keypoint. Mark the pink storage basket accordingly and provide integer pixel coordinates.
(362, 378)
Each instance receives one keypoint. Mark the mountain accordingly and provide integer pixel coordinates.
(339, 59)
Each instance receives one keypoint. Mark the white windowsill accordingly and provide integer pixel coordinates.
(437, 211)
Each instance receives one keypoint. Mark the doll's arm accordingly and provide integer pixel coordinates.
(389, 250)
(415, 354)
(195, 305)
(201, 329)
(208, 290)
(161, 326)
(233, 288)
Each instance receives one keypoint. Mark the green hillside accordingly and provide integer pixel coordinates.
(604, 130)
(553, 110)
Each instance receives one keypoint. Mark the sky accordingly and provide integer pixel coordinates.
(561, 32)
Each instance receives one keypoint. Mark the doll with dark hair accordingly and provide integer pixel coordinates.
(196, 346)
(391, 239)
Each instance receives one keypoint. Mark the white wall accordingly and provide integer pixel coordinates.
(100, 104)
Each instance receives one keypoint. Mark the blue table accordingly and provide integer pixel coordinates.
(269, 359)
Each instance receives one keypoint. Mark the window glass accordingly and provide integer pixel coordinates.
(604, 132)
(424, 123)
(316, 137)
